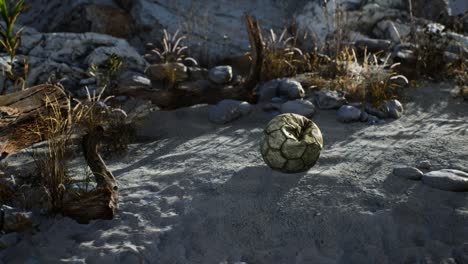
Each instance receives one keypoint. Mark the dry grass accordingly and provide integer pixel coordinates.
(56, 127)
(280, 58)
(172, 49)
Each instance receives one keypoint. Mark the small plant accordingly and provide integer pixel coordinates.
(10, 41)
(432, 43)
(9, 12)
(56, 127)
(281, 57)
(172, 49)
(108, 71)
(380, 80)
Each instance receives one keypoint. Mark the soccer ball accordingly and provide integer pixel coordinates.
(291, 143)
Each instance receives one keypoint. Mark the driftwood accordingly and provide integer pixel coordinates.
(18, 112)
(100, 203)
(169, 99)
(256, 46)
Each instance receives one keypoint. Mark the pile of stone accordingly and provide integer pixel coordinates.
(444, 179)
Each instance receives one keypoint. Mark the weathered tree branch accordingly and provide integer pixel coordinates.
(101, 203)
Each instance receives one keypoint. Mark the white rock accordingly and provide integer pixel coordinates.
(228, 110)
(298, 106)
(348, 113)
(409, 173)
(220, 74)
(447, 179)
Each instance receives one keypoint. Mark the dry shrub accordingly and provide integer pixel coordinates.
(172, 49)
(371, 79)
(431, 42)
(280, 57)
(56, 127)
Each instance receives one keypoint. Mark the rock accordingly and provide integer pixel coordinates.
(447, 179)
(430, 9)
(392, 108)
(291, 143)
(348, 113)
(133, 81)
(409, 173)
(14, 220)
(66, 57)
(197, 73)
(423, 165)
(372, 111)
(373, 120)
(268, 107)
(298, 106)
(174, 72)
(278, 100)
(228, 110)
(389, 3)
(373, 45)
(364, 116)
(283, 88)
(220, 74)
(290, 89)
(328, 99)
(142, 21)
(394, 31)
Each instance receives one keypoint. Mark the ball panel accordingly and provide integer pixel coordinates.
(292, 149)
(294, 166)
(276, 139)
(275, 159)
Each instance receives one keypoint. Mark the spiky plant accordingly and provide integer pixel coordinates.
(9, 12)
(107, 72)
(173, 49)
(380, 80)
(10, 40)
(281, 57)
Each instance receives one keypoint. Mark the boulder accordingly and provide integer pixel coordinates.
(409, 173)
(329, 99)
(373, 120)
(173, 71)
(197, 73)
(348, 113)
(228, 110)
(392, 108)
(423, 165)
(142, 21)
(220, 74)
(375, 112)
(286, 89)
(133, 81)
(447, 179)
(298, 106)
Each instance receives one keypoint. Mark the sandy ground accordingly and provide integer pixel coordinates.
(200, 193)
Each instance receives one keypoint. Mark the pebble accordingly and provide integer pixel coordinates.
(409, 173)
(447, 179)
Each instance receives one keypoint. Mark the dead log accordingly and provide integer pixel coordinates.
(19, 110)
(256, 47)
(100, 203)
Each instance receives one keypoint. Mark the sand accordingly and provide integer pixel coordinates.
(195, 192)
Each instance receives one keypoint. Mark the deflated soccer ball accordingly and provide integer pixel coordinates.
(291, 143)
